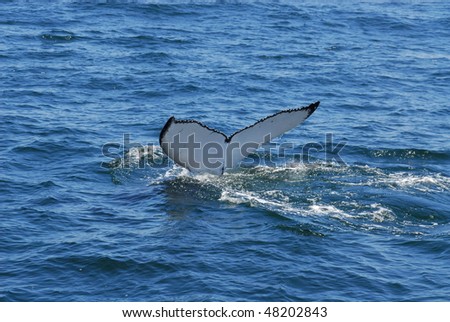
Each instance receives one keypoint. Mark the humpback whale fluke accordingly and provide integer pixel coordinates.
(201, 149)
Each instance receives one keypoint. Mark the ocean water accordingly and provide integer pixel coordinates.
(358, 209)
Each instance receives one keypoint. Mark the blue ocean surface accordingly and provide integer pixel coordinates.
(357, 209)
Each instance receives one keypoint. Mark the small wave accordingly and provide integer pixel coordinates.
(49, 200)
(41, 148)
(354, 214)
(255, 199)
(383, 22)
(58, 36)
(105, 264)
(159, 55)
(327, 210)
(423, 183)
(48, 184)
(149, 159)
(286, 56)
(375, 212)
(398, 154)
(403, 154)
(140, 157)
(379, 213)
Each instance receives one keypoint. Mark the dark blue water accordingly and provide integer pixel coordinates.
(369, 223)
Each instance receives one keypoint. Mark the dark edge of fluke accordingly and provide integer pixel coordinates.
(173, 120)
(165, 128)
(311, 108)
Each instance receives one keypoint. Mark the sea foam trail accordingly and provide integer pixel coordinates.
(282, 191)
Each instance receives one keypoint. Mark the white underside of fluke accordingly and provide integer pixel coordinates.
(201, 149)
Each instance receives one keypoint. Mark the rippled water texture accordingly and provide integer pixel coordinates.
(369, 222)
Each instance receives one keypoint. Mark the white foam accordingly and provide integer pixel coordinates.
(327, 210)
(255, 200)
(398, 181)
(403, 180)
(269, 188)
(379, 213)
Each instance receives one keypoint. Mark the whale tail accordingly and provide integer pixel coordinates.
(201, 149)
